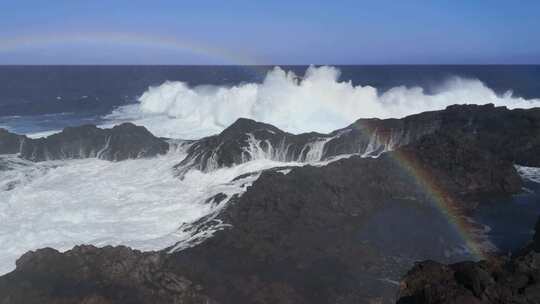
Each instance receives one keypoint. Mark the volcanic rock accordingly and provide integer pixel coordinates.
(247, 140)
(87, 274)
(313, 235)
(497, 280)
(121, 142)
(10, 143)
(512, 135)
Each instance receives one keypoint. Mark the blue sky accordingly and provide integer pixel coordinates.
(268, 32)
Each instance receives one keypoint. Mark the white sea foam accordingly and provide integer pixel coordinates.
(316, 102)
(530, 173)
(15, 171)
(138, 203)
(43, 133)
(141, 204)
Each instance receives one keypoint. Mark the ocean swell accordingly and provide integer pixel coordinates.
(317, 101)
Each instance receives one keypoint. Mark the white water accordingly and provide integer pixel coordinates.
(311, 152)
(530, 173)
(316, 102)
(138, 203)
(141, 204)
(20, 171)
(43, 134)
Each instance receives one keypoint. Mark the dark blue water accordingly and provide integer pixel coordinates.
(511, 220)
(511, 223)
(408, 228)
(83, 94)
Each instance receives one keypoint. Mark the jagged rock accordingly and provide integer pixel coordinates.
(498, 280)
(512, 135)
(304, 236)
(121, 142)
(295, 238)
(10, 143)
(373, 136)
(536, 239)
(301, 230)
(246, 140)
(459, 165)
(87, 274)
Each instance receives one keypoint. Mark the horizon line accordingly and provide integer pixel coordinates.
(264, 65)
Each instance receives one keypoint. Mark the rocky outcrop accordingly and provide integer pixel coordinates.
(300, 237)
(307, 231)
(247, 140)
(371, 137)
(498, 280)
(87, 274)
(458, 166)
(512, 135)
(121, 142)
(340, 233)
(10, 143)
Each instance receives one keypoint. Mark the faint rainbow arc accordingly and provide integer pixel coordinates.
(136, 39)
(444, 202)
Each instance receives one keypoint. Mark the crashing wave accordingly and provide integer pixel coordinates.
(319, 101)
(136, 202)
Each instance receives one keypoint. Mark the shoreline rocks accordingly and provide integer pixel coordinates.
(124, 141)
(497, 280)
(313, 235)
(510, 135)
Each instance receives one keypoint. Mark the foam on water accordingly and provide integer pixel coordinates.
(318, 101)
(43, 133)
(138, 203)
(15, 171)
(530, 173)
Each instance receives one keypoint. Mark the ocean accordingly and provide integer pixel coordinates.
(36, 99)
(140, 203)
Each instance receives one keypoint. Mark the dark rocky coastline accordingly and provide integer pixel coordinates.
(304, 237)
(87, 274)
(125, 141)
(512, 135)
(10, 143)
(497, 280)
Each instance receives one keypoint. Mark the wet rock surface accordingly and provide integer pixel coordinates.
(512, 135)
(497, 280)
(302, 231)
(125, 141)
(247, 140)
(304, 236)
(294, 238)
(87, 274)
(10, 143)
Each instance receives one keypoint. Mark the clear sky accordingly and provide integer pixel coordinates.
(269, 32)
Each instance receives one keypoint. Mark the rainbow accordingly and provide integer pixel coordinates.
(444, 201)
(127, 39)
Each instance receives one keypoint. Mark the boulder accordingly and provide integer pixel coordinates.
(125, 141)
